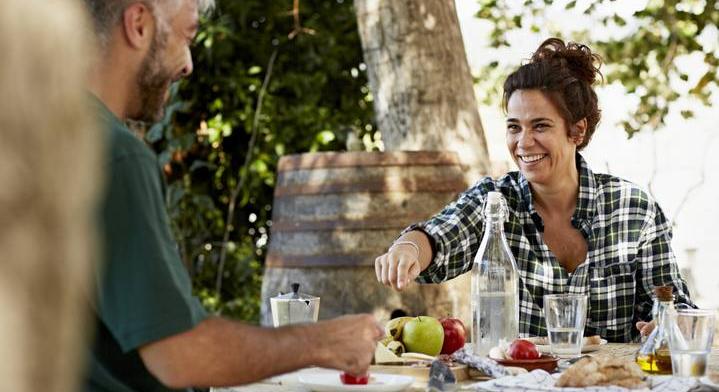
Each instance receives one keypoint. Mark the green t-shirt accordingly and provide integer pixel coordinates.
(143, 290)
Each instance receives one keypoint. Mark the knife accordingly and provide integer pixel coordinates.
(441, 378)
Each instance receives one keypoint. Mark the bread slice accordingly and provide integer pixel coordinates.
(591, 371)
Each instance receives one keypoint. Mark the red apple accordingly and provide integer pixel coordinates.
(523, 349)
(350, 379)
(454, 335)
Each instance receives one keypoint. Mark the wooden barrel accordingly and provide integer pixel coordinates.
(334, 213)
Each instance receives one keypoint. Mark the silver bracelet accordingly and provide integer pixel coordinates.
(410, 243)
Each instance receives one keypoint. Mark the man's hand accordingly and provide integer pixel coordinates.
(645, 328)
(220, 352)
(347, 343)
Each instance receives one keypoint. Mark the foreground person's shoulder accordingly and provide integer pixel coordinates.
(125, 144)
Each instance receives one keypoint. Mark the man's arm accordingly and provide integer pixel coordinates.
(220, 352)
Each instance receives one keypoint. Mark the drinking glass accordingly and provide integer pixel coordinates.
(565, 315)
(690, 341)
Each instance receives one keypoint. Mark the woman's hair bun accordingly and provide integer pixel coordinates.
(578, 58)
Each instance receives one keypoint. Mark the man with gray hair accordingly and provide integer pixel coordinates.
(152, 334)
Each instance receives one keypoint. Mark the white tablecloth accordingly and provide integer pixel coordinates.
(540, 380)
(537, 380)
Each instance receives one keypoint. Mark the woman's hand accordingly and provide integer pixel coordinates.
(404, 260)
(399, 266)
(646, 327)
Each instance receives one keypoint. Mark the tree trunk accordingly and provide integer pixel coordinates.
(420, 79)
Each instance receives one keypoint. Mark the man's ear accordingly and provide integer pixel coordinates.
(579, 131)
(138, 26)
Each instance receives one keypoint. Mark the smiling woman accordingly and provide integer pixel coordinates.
(571, 230)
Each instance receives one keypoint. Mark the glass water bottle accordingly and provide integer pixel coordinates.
(495, 293)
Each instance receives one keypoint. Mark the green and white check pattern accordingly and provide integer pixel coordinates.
(629, 251)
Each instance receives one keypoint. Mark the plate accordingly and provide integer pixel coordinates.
(330, 381)
(544, 348)
(545, 362)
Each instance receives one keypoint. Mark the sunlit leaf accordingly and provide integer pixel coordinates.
(325, 137)
(259, 166)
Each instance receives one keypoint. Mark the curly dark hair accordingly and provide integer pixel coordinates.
(565, 73)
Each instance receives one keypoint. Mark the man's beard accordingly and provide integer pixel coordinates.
(153, 82)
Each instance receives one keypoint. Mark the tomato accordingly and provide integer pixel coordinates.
(523, 349)
(347, 378)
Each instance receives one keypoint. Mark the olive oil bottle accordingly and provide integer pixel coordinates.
(654, 356)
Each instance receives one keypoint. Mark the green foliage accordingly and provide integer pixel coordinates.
(642, 56)
(316, 96)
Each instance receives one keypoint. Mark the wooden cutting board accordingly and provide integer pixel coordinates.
(420, 373)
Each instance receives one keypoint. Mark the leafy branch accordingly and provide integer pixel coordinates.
(641, 52)
(298, 28)
(243, 174)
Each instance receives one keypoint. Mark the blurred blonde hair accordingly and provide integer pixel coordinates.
(49, 178)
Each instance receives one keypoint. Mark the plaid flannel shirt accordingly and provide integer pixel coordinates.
(629, 251)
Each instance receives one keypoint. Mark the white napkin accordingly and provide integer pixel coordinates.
(539, 380)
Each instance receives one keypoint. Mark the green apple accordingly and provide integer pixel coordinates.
(424, 335)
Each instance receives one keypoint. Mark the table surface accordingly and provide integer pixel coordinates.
(618, 350)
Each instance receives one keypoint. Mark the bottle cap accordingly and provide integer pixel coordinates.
(664, 293)
(496, 206)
